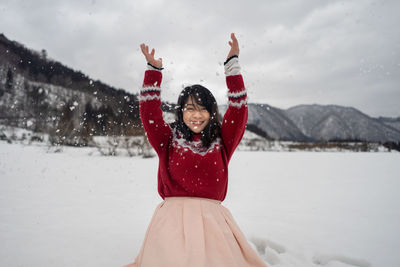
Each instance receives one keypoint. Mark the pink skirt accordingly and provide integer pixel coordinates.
(195, 232)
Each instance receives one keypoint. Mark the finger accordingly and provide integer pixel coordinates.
(152, 52)
(144, 50)
(233, 37)
(235, 41)
(230, 43)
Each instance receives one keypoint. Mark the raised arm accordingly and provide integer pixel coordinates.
(235, 118)
(157, 130)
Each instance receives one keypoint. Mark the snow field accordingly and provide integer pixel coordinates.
(297, 209)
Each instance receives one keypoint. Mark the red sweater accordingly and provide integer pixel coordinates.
(186, 168)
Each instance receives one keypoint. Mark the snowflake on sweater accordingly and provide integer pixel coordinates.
(195, 146)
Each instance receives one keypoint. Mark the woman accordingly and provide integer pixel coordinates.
(191, 227)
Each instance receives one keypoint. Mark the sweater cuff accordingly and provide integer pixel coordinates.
(151, 67)
(232, 66)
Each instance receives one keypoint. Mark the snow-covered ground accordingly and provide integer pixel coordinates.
(299, 209)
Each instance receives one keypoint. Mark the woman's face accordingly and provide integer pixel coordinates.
(195, 117)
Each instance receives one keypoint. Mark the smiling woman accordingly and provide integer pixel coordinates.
(197, 113)
(195, 116)
(191, 227)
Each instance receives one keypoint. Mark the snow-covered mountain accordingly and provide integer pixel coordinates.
(320, 123)
(392, 122)
(43, 95)
(332, 122)
(273, 122)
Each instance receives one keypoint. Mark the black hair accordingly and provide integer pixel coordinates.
(202, 96)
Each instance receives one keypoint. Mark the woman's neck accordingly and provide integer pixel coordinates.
(196, 136)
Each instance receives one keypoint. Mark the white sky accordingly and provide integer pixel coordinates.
(292, 52)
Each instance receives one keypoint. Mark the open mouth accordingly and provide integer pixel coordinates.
(196, 124)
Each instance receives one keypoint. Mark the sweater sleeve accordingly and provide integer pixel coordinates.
(235, 118)
(157, 130)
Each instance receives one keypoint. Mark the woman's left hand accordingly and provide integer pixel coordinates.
(234, 46)
(150, 56)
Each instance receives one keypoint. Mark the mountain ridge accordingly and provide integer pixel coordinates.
(320, 123)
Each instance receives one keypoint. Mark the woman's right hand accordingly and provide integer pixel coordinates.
(150, 56)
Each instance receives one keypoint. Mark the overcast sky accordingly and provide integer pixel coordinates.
(291, 52)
